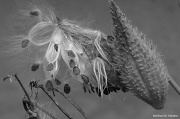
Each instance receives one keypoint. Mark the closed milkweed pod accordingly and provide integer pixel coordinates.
(145, 73)
(67, 88)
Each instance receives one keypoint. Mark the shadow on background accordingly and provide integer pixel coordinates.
(159, 19)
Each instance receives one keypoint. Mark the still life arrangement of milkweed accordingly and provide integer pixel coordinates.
(126, 61)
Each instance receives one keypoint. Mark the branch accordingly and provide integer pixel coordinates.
(174, 85)
(56, 103)
(33, 102)
(72, 102)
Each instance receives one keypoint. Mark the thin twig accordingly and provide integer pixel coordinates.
(174, 85)
(33, 102)
(72, 102)
(56, 103)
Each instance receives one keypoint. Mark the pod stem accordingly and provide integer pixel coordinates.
(176, 87)
(32, 101)
(72, 102)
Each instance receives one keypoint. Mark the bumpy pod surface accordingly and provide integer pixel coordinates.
(140, 67)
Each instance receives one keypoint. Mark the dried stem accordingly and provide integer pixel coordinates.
(72, 102)
(55, 102)
(174, 85)
(33, 102)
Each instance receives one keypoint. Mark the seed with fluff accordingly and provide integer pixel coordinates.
(71, 53)
(50, 67)
(67, 89)
(76, 70)
(24, 43)
(72, 63)
(34, 67)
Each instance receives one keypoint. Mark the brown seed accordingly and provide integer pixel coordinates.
(34, 13)
(56, 47)
(57, 81)
(76, 70)
(35, 67)
(67, 88)
(85, 79)
(50, 67)
(71, 53)
(24, 43)
(72, 63)
(49, 85)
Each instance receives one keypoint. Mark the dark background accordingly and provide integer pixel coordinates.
(159, 19)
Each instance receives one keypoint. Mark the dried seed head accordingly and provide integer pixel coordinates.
(34, 13)
(67, 89)
(146, 74)
(76, 70)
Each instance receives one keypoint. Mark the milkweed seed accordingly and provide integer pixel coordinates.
(85, 79)
(50, 67)
(57, 81)
(34, 13)
(110, 39)
(84, 88)
(92, 88)
(98, 92)
(67, 89)
(72, 63)
(76, 70)
(24, 43)
(35, 67)
(71, 53)
(56, 47)
(49, 85)
(106, 91)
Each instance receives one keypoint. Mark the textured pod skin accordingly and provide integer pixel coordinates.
(137, 66)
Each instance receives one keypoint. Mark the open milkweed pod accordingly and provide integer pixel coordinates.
(145, 71)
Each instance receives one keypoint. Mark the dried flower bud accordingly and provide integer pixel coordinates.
(71, 54)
